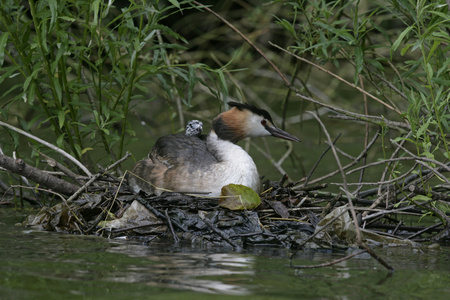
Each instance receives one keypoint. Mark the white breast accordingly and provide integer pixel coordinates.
(235, 166)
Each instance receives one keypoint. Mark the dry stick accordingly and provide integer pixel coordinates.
(277, 165)
(397, 227)
(19, 166)
(222, 234)
(36, 188)
(366, 138)
(284, 105)
(379, 259)
(423, 231)
(54, 164)
(354, 162)
(51, 192)
(381, 183)
(60, 151)
(400, 211)
(96, 176)
(318, 161)
(441, 214)
(434, 195)
(368, 69)
(344, 178)
(116, 230)
(300, 245)
(383, 176)
(349, 197)
(385, 212)
(286, 81)
(339, 78)
(446, 167)
(329, 263)
(343, 153)
(435, 171)
(381, 162)
(175, 237)
(158, 214)
(382, 121)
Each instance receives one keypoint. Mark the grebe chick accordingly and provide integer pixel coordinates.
(194, 128)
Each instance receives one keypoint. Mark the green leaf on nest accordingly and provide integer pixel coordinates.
(238, 197)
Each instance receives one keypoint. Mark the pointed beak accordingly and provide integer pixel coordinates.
(277, 132)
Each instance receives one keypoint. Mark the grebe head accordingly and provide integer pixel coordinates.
(194, 128)
(246, 120)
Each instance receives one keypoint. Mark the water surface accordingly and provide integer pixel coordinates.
(47, 265)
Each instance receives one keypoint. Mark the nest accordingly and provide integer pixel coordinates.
(306, 218)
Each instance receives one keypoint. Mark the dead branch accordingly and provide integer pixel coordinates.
(344, 179)
(95, 177)
(357, 159)
(62, 152)
(18, 166)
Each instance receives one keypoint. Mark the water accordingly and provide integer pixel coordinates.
(47, 265)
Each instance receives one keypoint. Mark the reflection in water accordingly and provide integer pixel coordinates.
(192, 271)
(44, 265)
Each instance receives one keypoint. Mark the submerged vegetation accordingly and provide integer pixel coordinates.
(92, 78)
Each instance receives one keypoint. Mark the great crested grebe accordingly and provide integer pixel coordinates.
(186, 162)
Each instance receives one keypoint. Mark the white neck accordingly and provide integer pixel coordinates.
(235, 165)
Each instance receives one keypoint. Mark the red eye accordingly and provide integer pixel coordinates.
(263, 122)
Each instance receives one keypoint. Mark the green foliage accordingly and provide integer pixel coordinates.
(78, 68)
(416, 35)
(399, 47)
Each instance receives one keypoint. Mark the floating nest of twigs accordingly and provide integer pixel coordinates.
(301, 218)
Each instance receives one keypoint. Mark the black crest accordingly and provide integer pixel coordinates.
(252, 108)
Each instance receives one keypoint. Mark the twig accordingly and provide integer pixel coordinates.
(365, 150)
(385, 212)
(436, 171)
(375, 163)
(159, 214)
(378, 258)
(345, 154)
(175, 237)
(433, 161)
(397, 227)
(57, 194)
(318, 161)
(303, 242)
(222, 234)
(60, 151)
(54, 164)
(277, 165)
(434, 195)
(329, 263)
(245, 39)
(339, 78)
(424, 230)
(366, 136)
(344, 179)
(399, 126)
(118, 230)
(96, 176)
